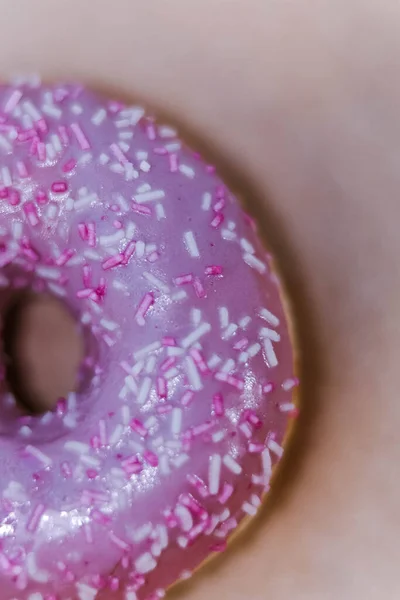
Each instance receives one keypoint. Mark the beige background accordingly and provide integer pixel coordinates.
(301, 98)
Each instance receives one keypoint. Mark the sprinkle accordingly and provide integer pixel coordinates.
(230, 380)
(80, 136)
(184, 517)
(138, 427)
(176, 421)
(59, 187)
(113, 261)
(187, 398)
(187, 171)
(6, 177)
(290, 383)
(249, 509)
(99, 116)
(275, 448)
(195, 335)
(229, 331)
(117, 541)
(265, 332)
(214, 474)
(268, 316)
(226, 493)
(191, 244)
(13, 101)
(184, 279)
(35, 518)
(199, 360)
(199, 288)
(254, 262)
(145, 304)
(39, 455)
(218, 405)
(160, 285)
(217, 220)
(231, 464)
(206, 201)
(270, 353)
(193, 374)
(213, 270)
(144, 391)
(266, 463)
(149, 196)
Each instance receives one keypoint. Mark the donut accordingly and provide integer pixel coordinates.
(186, 390)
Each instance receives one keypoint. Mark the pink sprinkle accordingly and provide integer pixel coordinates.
(141, 209)
(199, 288)
(241, 344)
(61, 406)
(151, 132)
(199, 361)
(217, 220)
(119, 155)
(167, 363)
(34, 145)
(220, 191)
(138, 427)
(213, 270)
(3, 193)
(218, 405)
(83, 232)
(170, 518)
(113, 261)
(173, 163)
(26, 134)
(199, 430)
(198, 530)
(65, 257)
(163, 409)
(91, 234)
(251, 417)
(169, 341)
(41, 198)
(218, 206)
(129, 252)
(22, 169)
(59, 187)
(193, 505)
(100, 517)
(153, 256)
(162, 388)
(66, 470)
(91, 473)
(80, 136)
(184, 279)
(151, 458)
(114, 583)
(199, 485)
(95, 442)
(85, 293)
(132, 465)
(41, 126)
(41, 150)
(31, 214)
(230, 380)
(160, 151)
(14, 198)
(69, 165)
(256, 448)
(226, 493)
(118, 542)
(35, 518)
(145, 304)
(187, 398)
(64, 135)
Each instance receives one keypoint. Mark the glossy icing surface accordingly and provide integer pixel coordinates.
(186, 391)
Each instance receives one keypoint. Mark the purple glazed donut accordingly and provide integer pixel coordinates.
(185, 393)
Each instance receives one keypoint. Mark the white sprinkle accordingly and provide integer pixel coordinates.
(149, 196)
(104, 158)
(114, 238)
(193, 374)
(133, 114)
(195, 314)
(184, 517)
(144, 390)
(214, 474)
(130, 595)
(206, 201)
(145, 563)
(38, 575)
(171, 373)
(130, 383)
(229, 331)
(165, 131)
(142, 533)
(6, 177)
(89, 461)
(191, 244)
(51, 111)
(270, 353)
(17, 230)
(76, 109)
(247, 247)
(275, 448)
(117, 168)
(243, 357)
(31, 110)
(50, 152)
(195, 335)
(160, 212)
(173, 146)
(56, 142)
(186, 170)
(214, 361)
(76, 447)
(163, 462)
(244, 322)
(142, 155)
(109, 325)
(255, 500)
(270, 333)
(146, 350)
(85, 201)
(182, 541)
(287, 407)
(254, 262)
(228, 366)
(125, 414)
(223, 317)
(268, 316)
(144, 187)
(13, 100)
(176, 421)
(231, 464)
(266, 462)
(180, 295)
(249, 509)
(253, 350)
(151, 364)
(228, 235)
(39, 455)
(144, 166)
(218, 436)
(5, 144)
(99, 116)
(86, 592)
(160, 285)
(36, 596)
(140, 248)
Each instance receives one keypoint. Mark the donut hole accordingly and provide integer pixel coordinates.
(43, 350)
